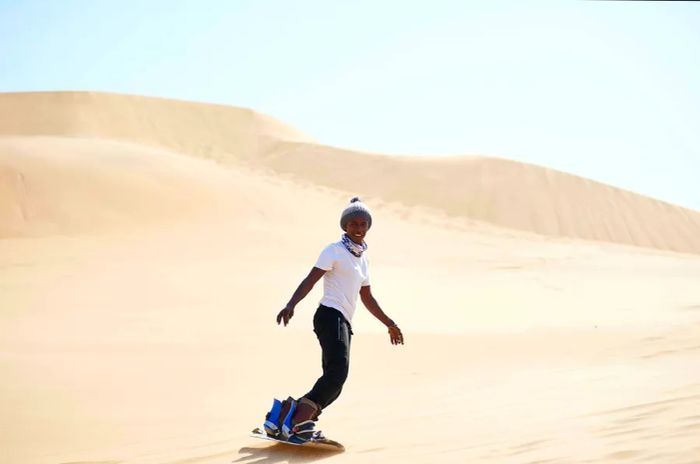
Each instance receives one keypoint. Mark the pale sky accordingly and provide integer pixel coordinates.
(604, 90)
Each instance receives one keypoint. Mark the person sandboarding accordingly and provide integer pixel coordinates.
(343, 266)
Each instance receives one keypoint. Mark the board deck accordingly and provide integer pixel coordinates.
(323, 443)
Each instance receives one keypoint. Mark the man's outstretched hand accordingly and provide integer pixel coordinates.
(285, 315)
(395, 335)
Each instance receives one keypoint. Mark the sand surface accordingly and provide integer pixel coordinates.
(146, 246)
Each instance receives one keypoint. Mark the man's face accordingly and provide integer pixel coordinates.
(357, 228)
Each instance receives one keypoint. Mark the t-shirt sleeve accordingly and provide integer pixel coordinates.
(327, 259)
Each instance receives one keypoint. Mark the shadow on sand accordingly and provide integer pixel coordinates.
(278, 453)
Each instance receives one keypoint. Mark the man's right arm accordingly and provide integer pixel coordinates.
(302, 290)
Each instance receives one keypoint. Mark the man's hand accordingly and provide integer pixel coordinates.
(395, 335)
(285, 315)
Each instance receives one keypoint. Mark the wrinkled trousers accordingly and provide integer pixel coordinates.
(334, 335)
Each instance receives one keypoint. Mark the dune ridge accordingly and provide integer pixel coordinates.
(498, 191)
(195, 128)
(501, 192)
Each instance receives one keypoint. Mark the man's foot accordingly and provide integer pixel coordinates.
(289, 407)
(306, 410)
(272, 419)
(304, 418)
(307, 435)
(305, 430)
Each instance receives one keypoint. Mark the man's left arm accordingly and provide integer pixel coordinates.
(372, 305)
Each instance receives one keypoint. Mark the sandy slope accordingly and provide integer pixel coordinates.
(497, 191)
(138, 288)
(52, 185)
(195, 128)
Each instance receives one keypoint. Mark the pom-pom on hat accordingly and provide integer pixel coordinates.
(354, 209)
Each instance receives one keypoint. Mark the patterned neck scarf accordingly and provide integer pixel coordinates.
(353, 247)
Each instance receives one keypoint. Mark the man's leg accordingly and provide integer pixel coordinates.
(334, 337)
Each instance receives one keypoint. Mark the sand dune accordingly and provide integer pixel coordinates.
(146, 246)
(193, 128)
(497, 191)
(501, 192)
(70, 185)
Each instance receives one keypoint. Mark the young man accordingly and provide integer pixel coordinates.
(343, 266)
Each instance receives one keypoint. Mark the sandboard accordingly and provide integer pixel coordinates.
(322, 443)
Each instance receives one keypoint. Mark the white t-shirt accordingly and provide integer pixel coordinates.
(345, 274)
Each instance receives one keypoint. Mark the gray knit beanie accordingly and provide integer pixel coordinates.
(354, 209)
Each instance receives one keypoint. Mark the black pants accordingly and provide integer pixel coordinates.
(334, 334)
